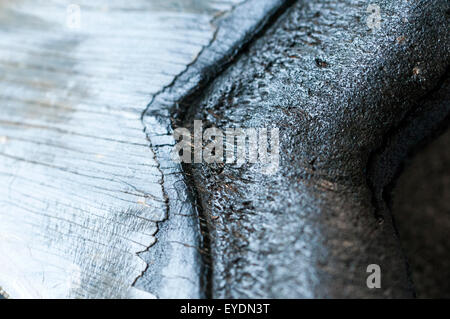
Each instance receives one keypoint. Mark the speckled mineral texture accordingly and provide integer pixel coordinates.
(338, 91)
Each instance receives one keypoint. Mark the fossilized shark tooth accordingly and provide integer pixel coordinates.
(85, 159)
(82, 189)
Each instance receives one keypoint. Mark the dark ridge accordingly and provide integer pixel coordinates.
(205, 249)
(165, 105)
(181, 107)
(178, 114)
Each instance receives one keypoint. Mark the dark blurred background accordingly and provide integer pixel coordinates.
(421, 207)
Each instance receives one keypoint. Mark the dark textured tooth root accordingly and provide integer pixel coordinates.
(349, 108)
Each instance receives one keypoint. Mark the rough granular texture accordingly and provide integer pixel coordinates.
(339, 91)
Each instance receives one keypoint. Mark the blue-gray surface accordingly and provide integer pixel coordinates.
(91, 204)
(82, 189)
